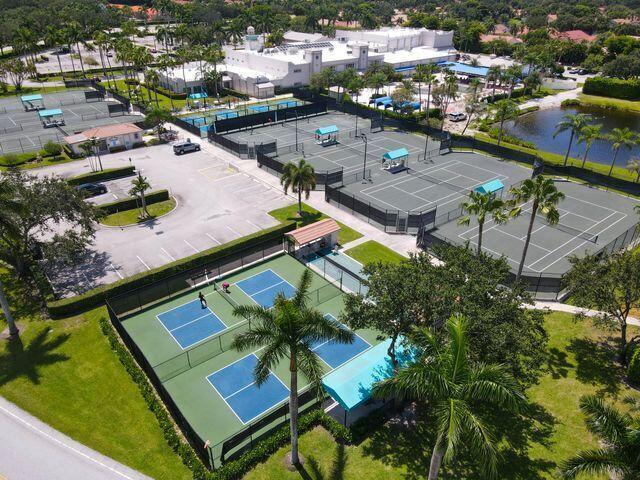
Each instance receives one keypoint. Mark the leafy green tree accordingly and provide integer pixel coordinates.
(287, 332)
(619, 434)
(587, 135)
(481, 205)
(620, 137)
(18, 71)
(609, 283)
(458, 391)
(633, 165)
(300, 178)
(156, 117)
(403, 95)
(574, 124)
(504, 110)
(139, 187)
(544, 198)
(9, 208)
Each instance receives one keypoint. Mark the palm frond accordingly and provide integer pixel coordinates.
(255, 337)
(593, 462)
(268, 359)
(492, 383)
(604, 420)
(309, 364)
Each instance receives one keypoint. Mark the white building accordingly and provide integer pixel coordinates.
(121, 136)
(257, 71)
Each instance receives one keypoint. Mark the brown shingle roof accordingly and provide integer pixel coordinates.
(316, 230)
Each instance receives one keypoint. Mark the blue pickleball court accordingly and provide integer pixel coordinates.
(263, 287)
(237, 387)
(189, 323)
(335, 354)
(259, 108)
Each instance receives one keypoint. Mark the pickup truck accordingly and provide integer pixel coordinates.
(185, 147)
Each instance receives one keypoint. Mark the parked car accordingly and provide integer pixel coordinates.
(185, 147)
(91, 189)
(457, 116)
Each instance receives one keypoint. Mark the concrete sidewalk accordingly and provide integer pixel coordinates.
(563, 307)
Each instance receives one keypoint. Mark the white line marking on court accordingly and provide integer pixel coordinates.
(168, 254)
(142, 261)
(212, 238)
(194, 248)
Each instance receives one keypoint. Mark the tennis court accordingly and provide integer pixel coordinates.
(190, 347)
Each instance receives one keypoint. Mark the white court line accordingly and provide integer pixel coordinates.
(74, 113)
(212, 238)
(142, 261)
(194, 248)
(168, 254)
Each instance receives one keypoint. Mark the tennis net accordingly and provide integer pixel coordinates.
(589, 237)
(225, 295)
(437, 181)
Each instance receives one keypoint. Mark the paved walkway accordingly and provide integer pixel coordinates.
(32, 450)
(563, 307)
(551, 101)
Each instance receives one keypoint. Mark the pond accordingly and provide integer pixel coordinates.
(538, 128)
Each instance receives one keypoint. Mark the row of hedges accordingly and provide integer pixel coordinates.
(612, 87)
(133, 202)
(161, 90)
(73, 305)
(102, 176)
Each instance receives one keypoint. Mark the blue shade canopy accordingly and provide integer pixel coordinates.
(405, 69)
(197, 96)
(327, 130)
(31, 98)
(395, 154)
(350, 385)
(50, 113)
(465, 69)
(490, 187)
(382, 100)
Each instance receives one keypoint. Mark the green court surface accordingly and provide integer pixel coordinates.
(184, 372)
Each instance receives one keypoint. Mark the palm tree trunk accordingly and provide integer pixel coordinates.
(566, 157)
(428, 107)
(73, 64)
(500, 131)
(534, 210)
(467, 124)
(615, 155)
(480, 232)
(586, 154)
(293, 412)
(81, 61)
(300, 201)
(436, 460)
(59, 63)
(13, 329)
(419, 96)
(145, 213)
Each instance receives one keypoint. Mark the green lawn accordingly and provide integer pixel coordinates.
(310, 215)
(372, 251)
(580, 363)
(606, 102)
(11, 91)
(163, 100)
(130, 217)
(64, 373)
(27, 160)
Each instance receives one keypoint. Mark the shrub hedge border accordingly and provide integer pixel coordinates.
(107, 174)
(234, 469)
(612, 88)
(73, 305)
(132, 202)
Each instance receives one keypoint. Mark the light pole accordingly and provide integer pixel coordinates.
(364, 162)
(296, 112)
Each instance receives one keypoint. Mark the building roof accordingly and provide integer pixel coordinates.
(314, 231)
(395, 154)
(465, 69)
(103, 132)
(507, 38)
(575, 36)
(327, 130)
(53, 112)
(292, 36)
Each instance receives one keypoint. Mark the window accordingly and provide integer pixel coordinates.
(351, 65)
(297, 70)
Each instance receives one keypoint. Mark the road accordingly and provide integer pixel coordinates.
(31, 450)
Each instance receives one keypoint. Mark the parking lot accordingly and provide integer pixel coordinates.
(216, 204)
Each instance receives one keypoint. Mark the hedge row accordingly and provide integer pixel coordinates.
(161, 90)
(104, 175)
(73, 305)
(133, 202)
(232, 470)
(633, 369)
(612, 87)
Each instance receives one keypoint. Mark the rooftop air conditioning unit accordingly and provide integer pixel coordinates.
(293, 50)
(349, 52)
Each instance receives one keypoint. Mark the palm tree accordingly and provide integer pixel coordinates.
(376, 80)
(459, 393)
(480, 205)
(156, 117)
(587, 135)
(617, 455)
(573, 123)
(545, 197)
(356, 84)
(504, 110)
(633, 165)
(493, 75)
(140, 185)
(287, 332)
(299, 178)
(101, 40)
(403, 95)
(620, 137)
(151, 78)
(53, 37)
(8, 207)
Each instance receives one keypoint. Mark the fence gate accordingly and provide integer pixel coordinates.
(251, 151)
(401, 225)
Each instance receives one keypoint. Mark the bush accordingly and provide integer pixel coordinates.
(633, 369)
(15, 159)
(506, 138)
(612, 87)
(132, 202)
(52, 148)
(107, 174)
(70, 306)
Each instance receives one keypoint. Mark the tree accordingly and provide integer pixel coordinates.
(300, 177)
(574, 124)
(480, 205)
(287, 332)
(619, 434)
(620, 137)
(504, 110)
(355, 87)
(458, 391)
(473, 108)
(8, 208)
(403, 95)
(156, 117)
(493, 75)
(587, 135)
(633, 165)
(376, 81)
(91, 147)
(53, 219)
(545, 197)
(152, 78)
(139, 186)
(18, 71)
(609, 283)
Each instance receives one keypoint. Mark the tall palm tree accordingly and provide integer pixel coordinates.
(8, 207)
(139, 187)
(572, 123)
(53, 37)
(620, 137)
(587, 135)
(633, 165)
(504, 110)
(101, 40)
(480, 205)
(618, 453)
(403, 95)
(459, 393)
(151, 78)
(545, 197)
(287, 332)
(356, 84)
(300, 177)
(156, 117)
(493, 75)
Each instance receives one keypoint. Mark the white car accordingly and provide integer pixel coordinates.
(457, 116)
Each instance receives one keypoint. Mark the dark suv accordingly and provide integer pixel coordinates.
(185, 147)
(91, 189)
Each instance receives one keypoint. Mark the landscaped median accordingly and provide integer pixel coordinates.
(127, 211)
(102, 175)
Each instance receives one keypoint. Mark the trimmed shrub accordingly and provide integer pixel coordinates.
(73, 305)
(107, 174)
(633, 369)
(612, 87)
(132, 202)
(52, 148)
(15, 159)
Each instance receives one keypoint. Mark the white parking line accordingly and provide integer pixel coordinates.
(194, 248)
(233, 231)
(254, 225)
(142, 262)
(116, 270)
(212, 238)
(168, 254)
